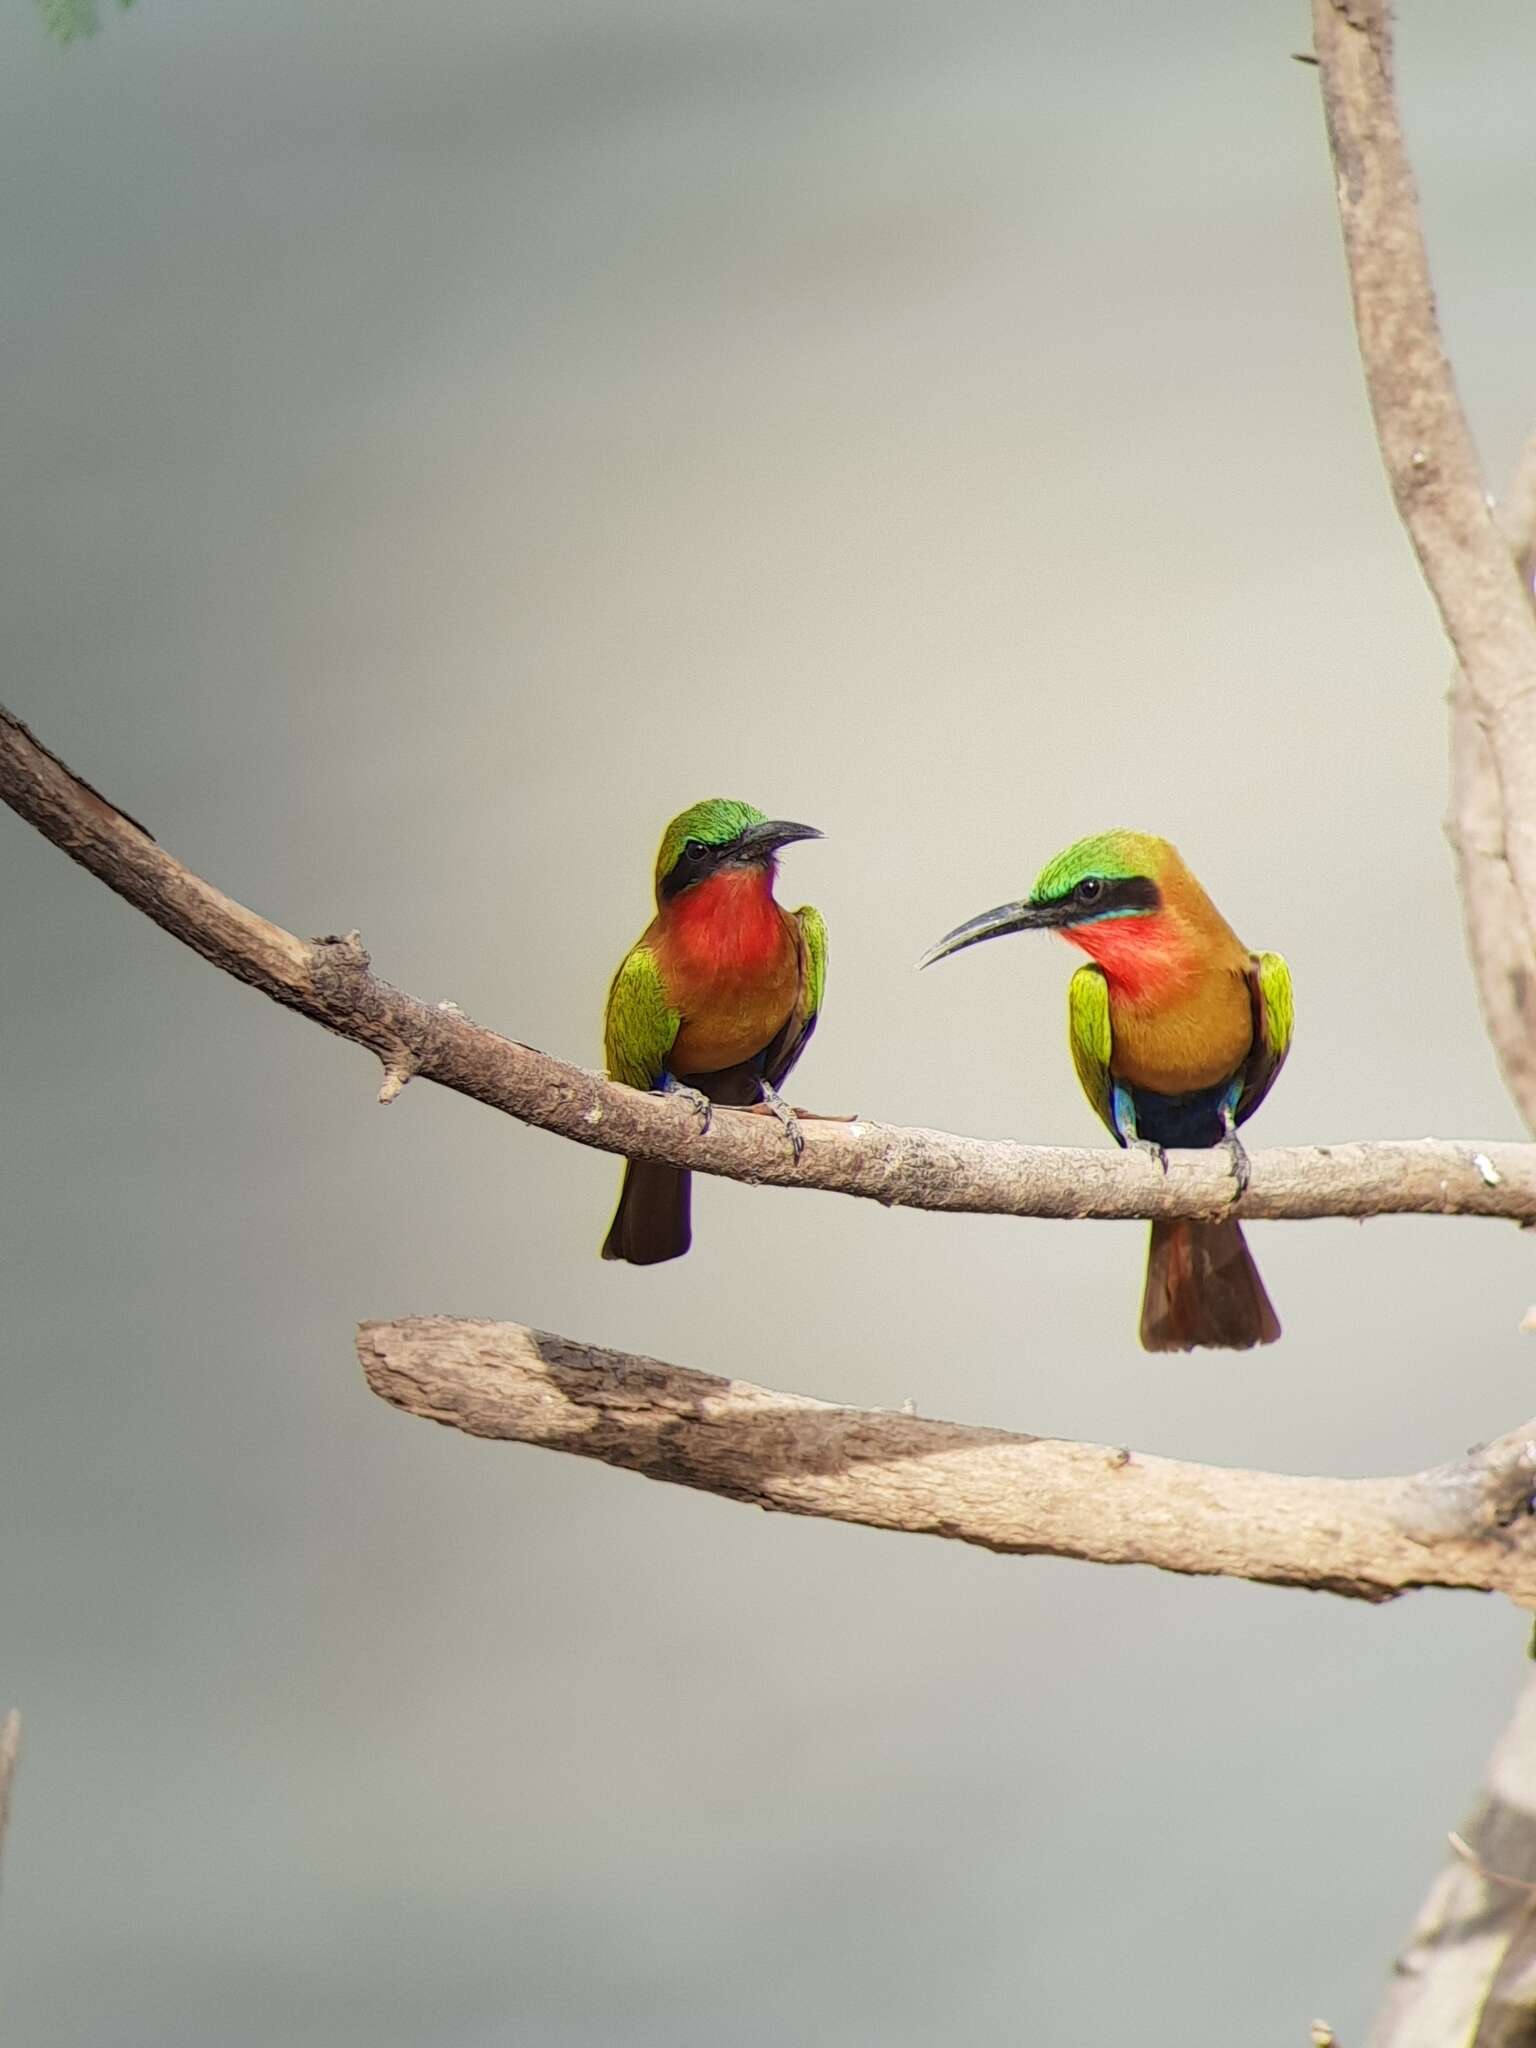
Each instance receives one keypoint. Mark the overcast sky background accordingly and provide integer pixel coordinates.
(439, 443)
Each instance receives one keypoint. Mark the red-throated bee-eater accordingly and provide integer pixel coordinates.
(717, 999)
(1177, 1034)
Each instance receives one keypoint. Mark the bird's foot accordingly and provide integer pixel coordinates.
(696, 1100)
(1158, 1154)
(773, 1104)
(1237, 1159)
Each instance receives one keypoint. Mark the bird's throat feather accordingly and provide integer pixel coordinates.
(731, 963)
(729, 924)
(1148, 960)
(1178, 1001)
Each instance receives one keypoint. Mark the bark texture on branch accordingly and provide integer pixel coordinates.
(329, 980)
(1466, 1524)
(1432, 467)
(10, 1756)
(1466, 1976)
(1498, 939)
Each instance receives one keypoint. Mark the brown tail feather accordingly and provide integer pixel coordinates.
(652, 1221)
(1203, 1291)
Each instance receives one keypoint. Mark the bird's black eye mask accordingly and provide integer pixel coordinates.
(1102, 896)
(696, 860)
(753, 848)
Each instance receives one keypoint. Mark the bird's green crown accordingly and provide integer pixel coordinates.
(1108, 856)
(714, 822)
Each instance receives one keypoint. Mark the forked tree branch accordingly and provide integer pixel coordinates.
(1466, 1524)
(330, 981)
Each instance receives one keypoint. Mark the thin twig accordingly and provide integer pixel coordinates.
(1473, 1861)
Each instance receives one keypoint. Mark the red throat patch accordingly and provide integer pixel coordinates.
(1145, 958)
(730, 922)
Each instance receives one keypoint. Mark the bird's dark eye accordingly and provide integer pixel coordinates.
(1089, 889)
(695, 849)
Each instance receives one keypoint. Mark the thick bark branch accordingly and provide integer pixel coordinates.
(1425, 441)
(329, 980)
(1465, 1524)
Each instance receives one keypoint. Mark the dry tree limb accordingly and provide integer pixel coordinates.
(1483, 598)
(10, 1756)
(329, 980)
(1425, 441)
(1507, 2018)
(1467, 1524)
(1469, 1974)
(1498, 938)
(1466, 1975)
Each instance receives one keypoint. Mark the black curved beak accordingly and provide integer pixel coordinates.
(761, 842)
(994, 924)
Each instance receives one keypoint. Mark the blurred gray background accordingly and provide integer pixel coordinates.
(439, 443)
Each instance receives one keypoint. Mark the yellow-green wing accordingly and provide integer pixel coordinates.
(1274, 1019)
(1092, 1041)
(801, 1022)
(641, 1025)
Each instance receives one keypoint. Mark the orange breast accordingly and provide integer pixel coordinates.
(1171, 1047)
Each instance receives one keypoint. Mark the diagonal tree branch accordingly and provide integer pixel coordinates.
(10, 1756)
(329, 980)
(1425, 441)
(1498, 938)
(1469, 1973)
(1465, 1524)
(1464, 1975)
